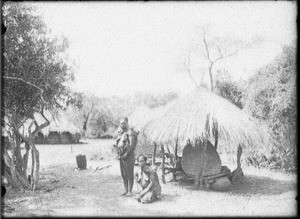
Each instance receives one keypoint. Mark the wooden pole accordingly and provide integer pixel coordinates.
(197, 176)
(237, 173)
(163, 165)
(197, 180)
(216, 138)
(154, 153)
(204, 161)
(176, 150)
(170, 156)
(176, 160)
(239, 154)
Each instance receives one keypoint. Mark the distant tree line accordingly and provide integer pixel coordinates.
(98, 117)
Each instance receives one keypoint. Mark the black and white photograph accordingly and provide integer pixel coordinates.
(148, 109)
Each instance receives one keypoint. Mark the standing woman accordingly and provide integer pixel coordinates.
(126, 142)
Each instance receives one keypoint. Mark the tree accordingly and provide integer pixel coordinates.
(35, 71)
(271, 97)
(213, 49)
(86, 107)
(92, 114)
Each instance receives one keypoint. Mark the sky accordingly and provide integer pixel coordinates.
(127, 47)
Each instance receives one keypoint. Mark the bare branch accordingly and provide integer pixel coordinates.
(26, 82)
(187, 65)
(222, 56)
(29, 128)
(206, 47)
(202, 77)
(40, 127)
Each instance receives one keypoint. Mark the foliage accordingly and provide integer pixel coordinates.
(35, 68)
(92, 115)
(271, 97)
(230, 90)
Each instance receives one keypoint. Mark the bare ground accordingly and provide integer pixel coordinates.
(67, 191)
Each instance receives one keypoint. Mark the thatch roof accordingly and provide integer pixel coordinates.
(140, 116)
(137, 120)
(61, 124)
(198, 115)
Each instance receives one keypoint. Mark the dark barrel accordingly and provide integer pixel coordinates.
(81, 161)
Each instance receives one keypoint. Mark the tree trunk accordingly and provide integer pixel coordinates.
(13, 172)
(84, 125)
(20, 165)
(25, 157)
(35, 179)
(211, 77)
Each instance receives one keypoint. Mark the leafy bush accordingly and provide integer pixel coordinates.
(271, 97)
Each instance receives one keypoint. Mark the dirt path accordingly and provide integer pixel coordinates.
(68, 192)
(65, 191)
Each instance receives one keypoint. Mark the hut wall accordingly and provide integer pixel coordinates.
(66, 138)
(54, 138)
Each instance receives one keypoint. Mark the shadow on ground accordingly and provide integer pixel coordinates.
(252, 185)
(168, 197)
(260, 185)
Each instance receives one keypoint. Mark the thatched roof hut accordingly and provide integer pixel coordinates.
(62, 126)
(199, 115)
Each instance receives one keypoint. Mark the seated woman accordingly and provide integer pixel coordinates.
(148, 182)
